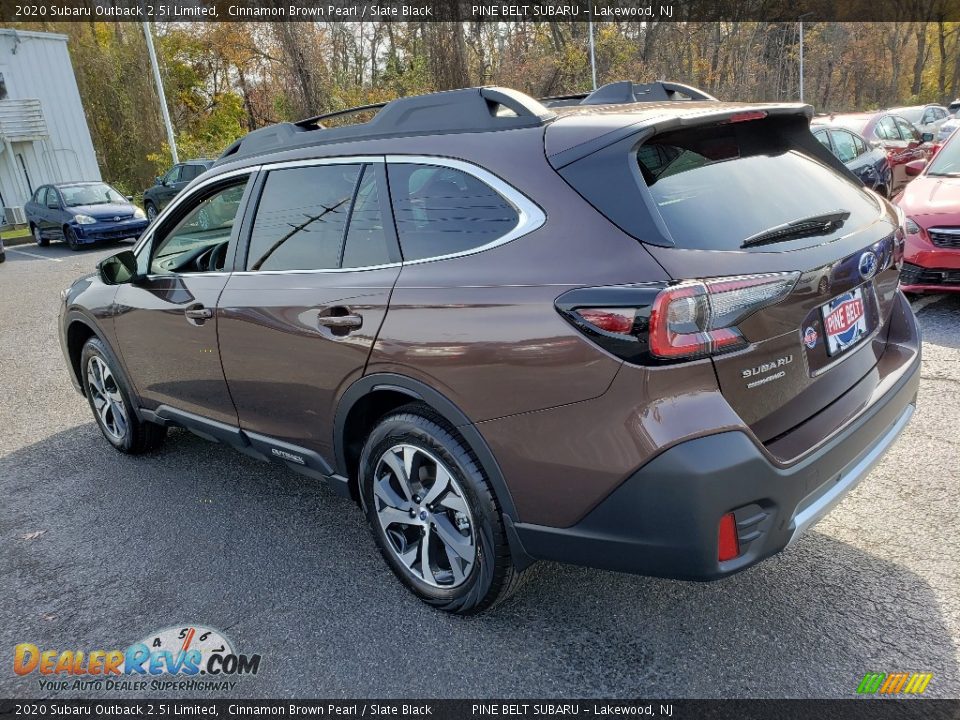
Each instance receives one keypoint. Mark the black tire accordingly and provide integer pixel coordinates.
(3, 257)
(493, 577)
(139, 436)
(883, 191)
(151, 210)
(38, 238)
(71, 238)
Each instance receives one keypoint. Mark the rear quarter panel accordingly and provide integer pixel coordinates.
(482, 329)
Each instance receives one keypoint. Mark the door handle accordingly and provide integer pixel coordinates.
(341, 322)
(198, 312)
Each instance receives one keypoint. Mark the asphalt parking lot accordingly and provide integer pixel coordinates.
(97, 550)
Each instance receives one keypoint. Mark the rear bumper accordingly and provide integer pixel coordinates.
(664, 519)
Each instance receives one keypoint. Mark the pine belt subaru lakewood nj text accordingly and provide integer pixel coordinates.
(639, 329)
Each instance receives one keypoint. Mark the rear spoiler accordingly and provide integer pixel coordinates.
(649, 126)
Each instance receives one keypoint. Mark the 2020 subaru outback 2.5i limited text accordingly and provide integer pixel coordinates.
(655, 337)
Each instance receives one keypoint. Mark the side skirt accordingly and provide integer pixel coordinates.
(262, 447)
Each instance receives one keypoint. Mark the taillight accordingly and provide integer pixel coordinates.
(656, 322)
(699, 318)
(612, 320)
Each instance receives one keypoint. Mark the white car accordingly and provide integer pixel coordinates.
(946, 130)
(926, 118)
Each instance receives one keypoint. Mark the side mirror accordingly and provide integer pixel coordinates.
(119, 269)
(158, 180)
(915, 167)
(926, 137)
(129, 198)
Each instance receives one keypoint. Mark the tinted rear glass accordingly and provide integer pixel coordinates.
(718, 187)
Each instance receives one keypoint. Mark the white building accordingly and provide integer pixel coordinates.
(43, 131)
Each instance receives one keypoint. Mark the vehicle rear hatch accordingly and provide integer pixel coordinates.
(726, 191)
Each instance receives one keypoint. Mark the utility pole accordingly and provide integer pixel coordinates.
(593, 59)
(171, 139)
(801, 52)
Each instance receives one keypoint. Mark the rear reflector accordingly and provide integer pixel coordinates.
(612, 320)
(728, 546)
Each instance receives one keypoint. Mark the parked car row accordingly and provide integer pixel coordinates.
(893, 133)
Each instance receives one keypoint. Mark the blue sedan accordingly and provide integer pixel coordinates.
(867, 162)
(82, 213)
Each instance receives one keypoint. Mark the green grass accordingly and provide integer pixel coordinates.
(14, 234)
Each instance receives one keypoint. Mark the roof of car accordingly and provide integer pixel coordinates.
(487, 109)
(836, 126)
(77, 183)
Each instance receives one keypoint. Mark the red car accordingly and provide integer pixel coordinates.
(901, 140)
(931, 206)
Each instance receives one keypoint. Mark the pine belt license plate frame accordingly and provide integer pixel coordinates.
(845, 321)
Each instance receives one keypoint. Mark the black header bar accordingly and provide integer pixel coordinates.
(481, 10)
(160, 709)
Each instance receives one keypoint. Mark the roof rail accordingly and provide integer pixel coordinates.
(317, 120)
(617, 93)
(468, 110)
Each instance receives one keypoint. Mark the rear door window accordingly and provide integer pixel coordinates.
(370, 241)
(717, 187)
(887, 129)
(190, 172)
(845, 145)
(441, 211)
(907, 131)
(302, 218)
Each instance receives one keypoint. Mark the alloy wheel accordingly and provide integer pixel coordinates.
(151, 212)
(107, 398)
(424, 515)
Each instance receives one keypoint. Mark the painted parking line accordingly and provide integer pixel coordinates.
(34, 255)
(918, 305)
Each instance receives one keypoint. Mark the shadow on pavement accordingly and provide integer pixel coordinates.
(198, 533)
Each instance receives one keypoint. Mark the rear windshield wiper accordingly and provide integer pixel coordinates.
(807, 227)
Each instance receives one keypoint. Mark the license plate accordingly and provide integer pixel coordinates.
(844, 321)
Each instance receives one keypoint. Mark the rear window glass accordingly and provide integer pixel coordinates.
(717, 188)
(441, 210)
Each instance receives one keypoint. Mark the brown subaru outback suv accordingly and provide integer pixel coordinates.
(641, 330)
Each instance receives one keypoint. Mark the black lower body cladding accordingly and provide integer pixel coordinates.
(664, 519)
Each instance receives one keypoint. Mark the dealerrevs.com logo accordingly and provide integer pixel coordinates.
(894, 683)
(187, 657)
